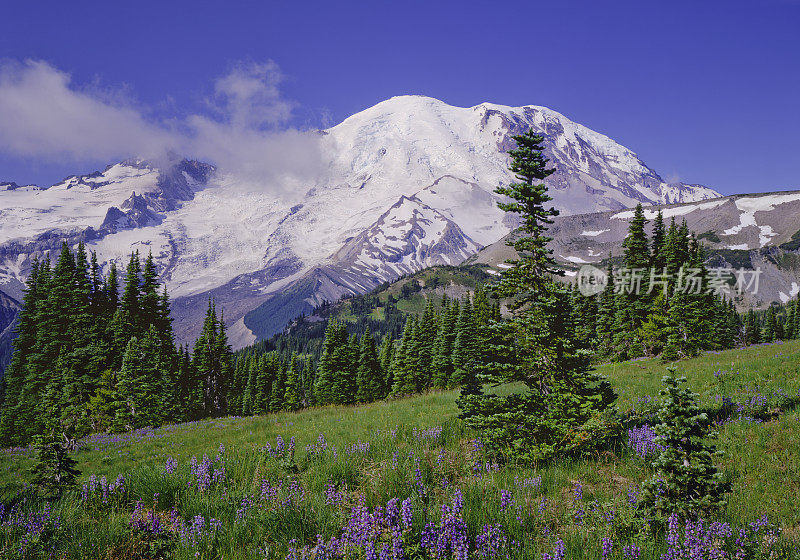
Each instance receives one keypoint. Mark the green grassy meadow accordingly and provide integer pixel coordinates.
(268, 501)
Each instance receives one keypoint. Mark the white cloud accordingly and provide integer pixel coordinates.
(44, 115)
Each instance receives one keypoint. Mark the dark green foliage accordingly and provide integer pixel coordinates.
(770, 330)
(633, 301)
(386, 356)
(139, 384)
(466, 346)
(330, 365)
(403, 365)
(88, 360)
(562, 409)
(710, 235)
(672, 310)
(293, 390)
(370, 374)
(54, 470)
(793, 244)
(443, 345)
(213, 364)
(686, 481)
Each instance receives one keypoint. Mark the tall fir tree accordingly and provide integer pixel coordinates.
(560, 410)
(370, 376)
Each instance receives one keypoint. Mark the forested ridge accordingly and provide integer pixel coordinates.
(96, 352)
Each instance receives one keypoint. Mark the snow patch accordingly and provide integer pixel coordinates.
(793, 291)
(671, 212)
(576, 260)
(594, 233)
(750, 205)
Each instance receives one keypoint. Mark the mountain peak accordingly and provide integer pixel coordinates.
(407, 183)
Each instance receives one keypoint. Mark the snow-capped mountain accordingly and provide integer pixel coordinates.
(404, 184)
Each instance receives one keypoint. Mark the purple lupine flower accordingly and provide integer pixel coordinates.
(631, 552)
(332, 495)
(643, 441)
(506, 500)
(492, 542)
(607, 546)
(577, 490)
(558, 552)
(406, 513)
(633, 496)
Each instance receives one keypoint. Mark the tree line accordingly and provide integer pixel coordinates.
(438, 349)
(90, 356)
(678, 308)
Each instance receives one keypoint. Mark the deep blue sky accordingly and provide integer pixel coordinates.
(705, 92)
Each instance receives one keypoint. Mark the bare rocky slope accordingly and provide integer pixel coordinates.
(754, 231)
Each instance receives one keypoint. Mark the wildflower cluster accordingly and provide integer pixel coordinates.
(701, 539)
(282, 450)
(99, 492)
(380, 534)
(642, 441)
(206, 473)
(34, 531)
(196, 534)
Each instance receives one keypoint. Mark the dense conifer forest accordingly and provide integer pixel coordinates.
(90, 356)
(96, 352)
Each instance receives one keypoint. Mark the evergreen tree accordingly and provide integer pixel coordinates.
(250, 387)
(11, 428)
(370, 376)
(606, 314)
(770, 325)
(752, 328)
(139, 384)
(466, 346)
(445, 338)
(560, 410)
(277, 399)
(386, 356)
(54, 470)
(796, 325)
(292, 394)
(346, 359)
(686, 481)
(632, 301)
(657, 257)
(404, 382)
(212, 360)
(426, 337)
(330, 366)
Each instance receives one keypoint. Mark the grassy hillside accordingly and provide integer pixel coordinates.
(413, 448)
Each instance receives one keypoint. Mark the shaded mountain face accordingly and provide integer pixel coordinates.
(405, 184)
(744, 231)
(9, 310)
